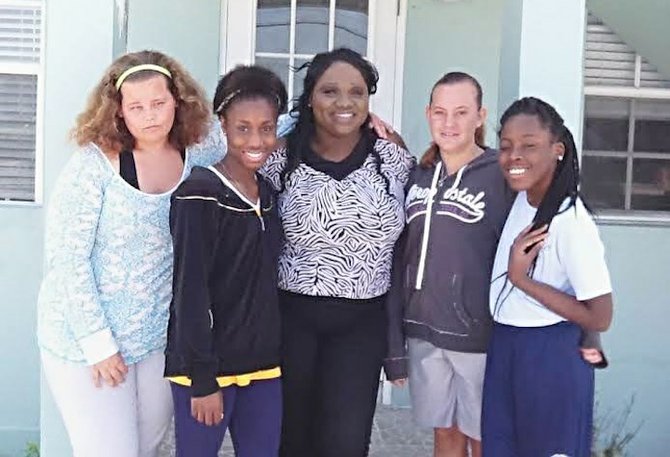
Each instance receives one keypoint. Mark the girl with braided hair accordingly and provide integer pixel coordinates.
(549, 282)
(222, 355)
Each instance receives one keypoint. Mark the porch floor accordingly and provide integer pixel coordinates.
(393, 435)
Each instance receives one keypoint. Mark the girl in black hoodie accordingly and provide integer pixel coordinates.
(222, 356)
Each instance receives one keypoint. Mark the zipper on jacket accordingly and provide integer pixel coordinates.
(256, 207)
(427, 219)
(257, 210)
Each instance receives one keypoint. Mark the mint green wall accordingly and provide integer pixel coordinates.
(189, 34)
(79, 47)
(20, 271)
(443, 37)
(638, 340)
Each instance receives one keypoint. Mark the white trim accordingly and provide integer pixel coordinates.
(293, 18)
(331, 25)
(254, 20)
(283, 55)
(20, 204)
(627, 92)
(39, 115)
(23, 3)
(372, 19)
(20, 68)
(212, 199)
(624, 154)
(638, 70)
(398, 81)
(239, 34)
(223, 35)
(632, 217)
(255, 206)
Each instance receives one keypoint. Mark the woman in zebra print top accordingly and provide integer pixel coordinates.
(341, 194)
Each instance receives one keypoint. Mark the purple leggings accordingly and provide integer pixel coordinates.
(253, 414)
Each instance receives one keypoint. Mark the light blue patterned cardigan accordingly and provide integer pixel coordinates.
(108, 274)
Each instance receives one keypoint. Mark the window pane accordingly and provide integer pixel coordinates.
(311, 29)
(652, 126)
(604, 182)
(606, 124)
(17, 136)
(351, 25)
(278, 65)
(651, 185)
(272, 25)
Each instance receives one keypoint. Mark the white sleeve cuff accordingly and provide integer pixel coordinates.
(98, 346)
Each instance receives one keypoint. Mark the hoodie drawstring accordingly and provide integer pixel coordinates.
(427, 219)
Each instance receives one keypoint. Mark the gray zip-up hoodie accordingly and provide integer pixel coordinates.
(443, 261)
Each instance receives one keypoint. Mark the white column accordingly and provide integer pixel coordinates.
(542, 55)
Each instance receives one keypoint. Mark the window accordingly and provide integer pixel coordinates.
(626, 143)
(289, 33)
(20, 78)
(284, 34)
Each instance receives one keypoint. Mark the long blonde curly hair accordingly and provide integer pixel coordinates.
(101, 122)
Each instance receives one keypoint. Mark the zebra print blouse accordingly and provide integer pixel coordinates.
(340, 234)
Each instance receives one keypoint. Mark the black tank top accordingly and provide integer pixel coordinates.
(127, 168)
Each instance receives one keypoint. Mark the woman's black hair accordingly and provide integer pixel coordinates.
(299, 139)
(247, 83)
(565, 181)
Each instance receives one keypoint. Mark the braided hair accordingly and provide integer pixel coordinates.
(299, 140)
(565, 181)
(249, 83)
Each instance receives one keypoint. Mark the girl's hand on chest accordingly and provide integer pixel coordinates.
(524, 251)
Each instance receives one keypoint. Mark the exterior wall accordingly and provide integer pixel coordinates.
(638, 340)
(443, 37)
(20, 272)
(190, 35)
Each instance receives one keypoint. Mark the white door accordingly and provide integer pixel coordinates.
(283, 34)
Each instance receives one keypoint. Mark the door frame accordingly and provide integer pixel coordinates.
(238, 36)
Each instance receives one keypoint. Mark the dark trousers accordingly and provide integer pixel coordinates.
(538, 393)
(253, 414)
(332, 356)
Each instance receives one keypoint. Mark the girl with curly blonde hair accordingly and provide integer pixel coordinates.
(104, 301)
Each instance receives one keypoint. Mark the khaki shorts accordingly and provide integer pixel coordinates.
(446, 387)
